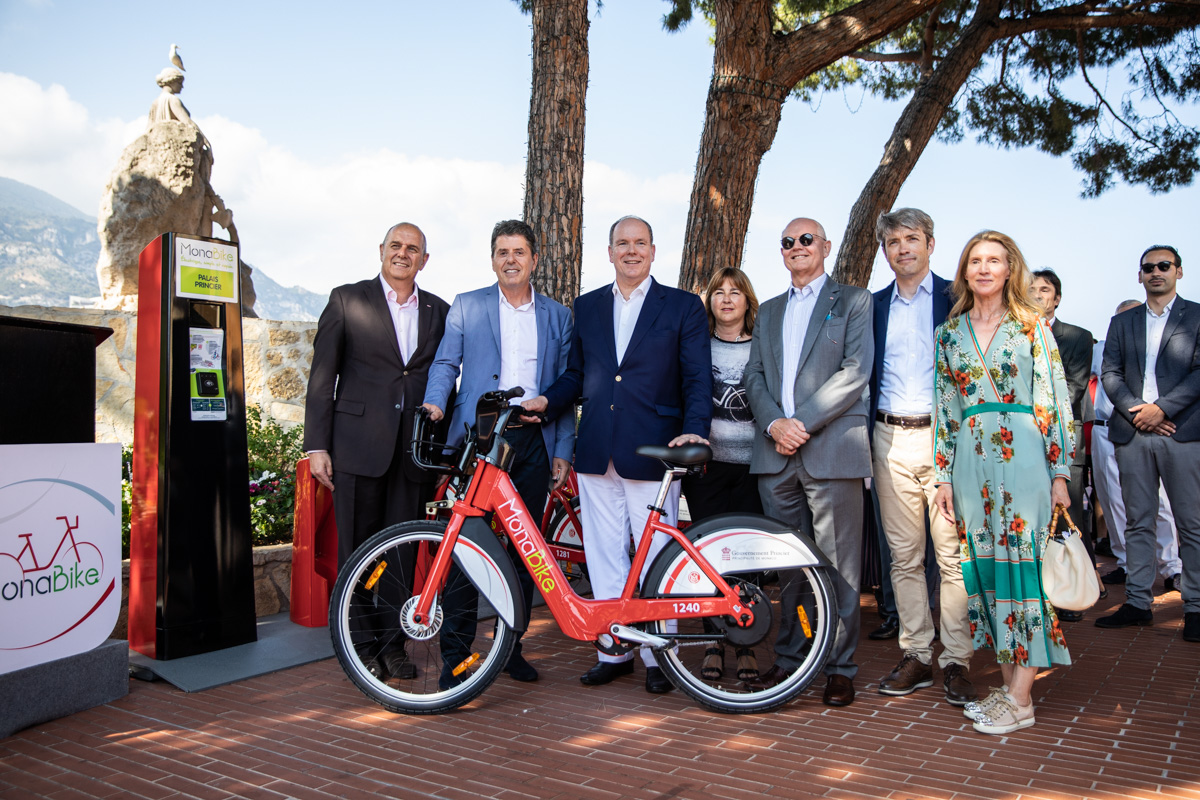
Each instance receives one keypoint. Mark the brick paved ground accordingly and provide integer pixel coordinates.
(1122, 722)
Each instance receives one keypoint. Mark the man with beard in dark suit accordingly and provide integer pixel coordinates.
(1075, 347)
(375, 342)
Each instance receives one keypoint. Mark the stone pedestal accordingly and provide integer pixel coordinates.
(68, 685)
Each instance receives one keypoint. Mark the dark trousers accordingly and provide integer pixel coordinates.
(362, 507)
(530, 473)
(723, 487)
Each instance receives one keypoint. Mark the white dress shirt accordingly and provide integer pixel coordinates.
(404, 318)
(800, 304)
(906, 384)
(625, 314)
(1154, 332)
(518, 347)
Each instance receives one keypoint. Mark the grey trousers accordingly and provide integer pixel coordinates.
(1142, 462)
(830, 511)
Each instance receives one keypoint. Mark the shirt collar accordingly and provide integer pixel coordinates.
(527, 306)
(390, 294)
(1166, 309)
(926, 286)
(641, 289)
(813, 287)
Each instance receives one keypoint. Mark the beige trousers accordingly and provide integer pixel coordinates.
(904, 484)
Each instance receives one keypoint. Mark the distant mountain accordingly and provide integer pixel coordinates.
(49, 249)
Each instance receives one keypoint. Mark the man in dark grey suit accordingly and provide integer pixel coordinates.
(1152, 375)
(1075, 348)
(805, 380)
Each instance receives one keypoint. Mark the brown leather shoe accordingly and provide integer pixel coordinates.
(772, 677)
(839, 691)
(908, 676)
(959, 689)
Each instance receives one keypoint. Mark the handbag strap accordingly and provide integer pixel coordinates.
(1060, 511)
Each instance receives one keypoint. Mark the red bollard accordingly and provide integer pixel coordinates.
(314, 550)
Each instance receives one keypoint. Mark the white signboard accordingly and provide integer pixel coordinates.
(206, 270)
(60, 550)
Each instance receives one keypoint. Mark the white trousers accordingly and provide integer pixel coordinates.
(613, 509)
(1108, 492)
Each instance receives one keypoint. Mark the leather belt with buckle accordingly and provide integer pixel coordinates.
(1103, 423)
(910, 423)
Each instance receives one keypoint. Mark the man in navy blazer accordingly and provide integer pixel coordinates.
(517, 338)
(1152, 375)
(906, 313)
(641, 362)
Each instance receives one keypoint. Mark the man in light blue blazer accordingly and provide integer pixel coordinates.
(516, 337)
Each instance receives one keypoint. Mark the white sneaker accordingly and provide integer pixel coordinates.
(1005, 716)
(977, 708)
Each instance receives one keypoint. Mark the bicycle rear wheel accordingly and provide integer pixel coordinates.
(371, 625)
(728, 693)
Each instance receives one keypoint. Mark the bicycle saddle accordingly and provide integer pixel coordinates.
(686, 455)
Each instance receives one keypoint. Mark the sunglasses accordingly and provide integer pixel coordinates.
(806, 239)
(1163, 266)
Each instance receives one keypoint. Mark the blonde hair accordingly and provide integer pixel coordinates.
(741, 282)
(1018, 298)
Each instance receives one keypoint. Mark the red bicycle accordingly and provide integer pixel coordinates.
(704, 575)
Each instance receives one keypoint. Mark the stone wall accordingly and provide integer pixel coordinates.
(276, 356)
(272, 585)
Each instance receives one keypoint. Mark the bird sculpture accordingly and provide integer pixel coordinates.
(175, 59)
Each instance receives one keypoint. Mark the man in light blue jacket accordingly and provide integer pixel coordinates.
(502, 336)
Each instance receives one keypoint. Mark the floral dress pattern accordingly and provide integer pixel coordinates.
(1002, 434)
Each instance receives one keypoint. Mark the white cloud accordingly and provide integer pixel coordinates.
(50, 141)
(318, 223)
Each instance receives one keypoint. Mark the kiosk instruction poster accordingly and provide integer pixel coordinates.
(206, 270)
(207, 379)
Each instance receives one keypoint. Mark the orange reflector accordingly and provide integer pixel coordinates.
(375, 575)
(800, 612)
(461, 668)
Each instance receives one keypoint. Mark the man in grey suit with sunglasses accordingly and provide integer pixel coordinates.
(805, 381)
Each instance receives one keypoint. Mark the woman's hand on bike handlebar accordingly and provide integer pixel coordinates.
(435, 413)
(687, 438)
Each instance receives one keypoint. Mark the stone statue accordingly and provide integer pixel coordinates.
(160, 185)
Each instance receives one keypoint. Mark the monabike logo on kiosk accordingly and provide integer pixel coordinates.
(60, 550)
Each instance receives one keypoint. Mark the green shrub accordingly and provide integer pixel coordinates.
(273, 453)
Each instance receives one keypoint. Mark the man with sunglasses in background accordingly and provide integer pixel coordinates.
(805, 381)
(1075, 347)
(1152, 375)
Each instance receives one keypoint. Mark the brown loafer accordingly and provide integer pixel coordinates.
(839, 691)
(959, 689)
(771, 678)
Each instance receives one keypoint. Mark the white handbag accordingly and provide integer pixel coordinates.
(1068, 576)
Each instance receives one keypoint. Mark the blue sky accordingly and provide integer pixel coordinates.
(329, 123)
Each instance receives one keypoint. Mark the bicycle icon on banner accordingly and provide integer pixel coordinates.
(27, 553)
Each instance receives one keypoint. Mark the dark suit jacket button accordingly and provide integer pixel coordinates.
(405, 372)
(618, 379)
(612, 408)
(495, 377)
(397, 405)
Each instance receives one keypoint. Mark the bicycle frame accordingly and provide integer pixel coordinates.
(491, 490)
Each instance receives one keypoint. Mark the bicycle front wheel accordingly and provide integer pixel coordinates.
(404, 666)
(723, 688)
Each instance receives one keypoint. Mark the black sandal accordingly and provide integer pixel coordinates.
(713, 667)
(747, 664)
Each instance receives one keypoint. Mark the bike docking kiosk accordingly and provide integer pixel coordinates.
(60, 528)
(191, 583)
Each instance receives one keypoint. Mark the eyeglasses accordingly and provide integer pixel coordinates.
(806, 239)
(1163, 266)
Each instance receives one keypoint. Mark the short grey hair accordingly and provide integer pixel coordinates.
(913, 218)
(1128, 304)
(625, 218)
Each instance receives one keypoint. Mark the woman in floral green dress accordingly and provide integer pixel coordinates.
(1002, 450)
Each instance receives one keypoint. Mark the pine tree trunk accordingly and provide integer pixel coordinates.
(916, 126)
(740, 121)
(554, 168)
